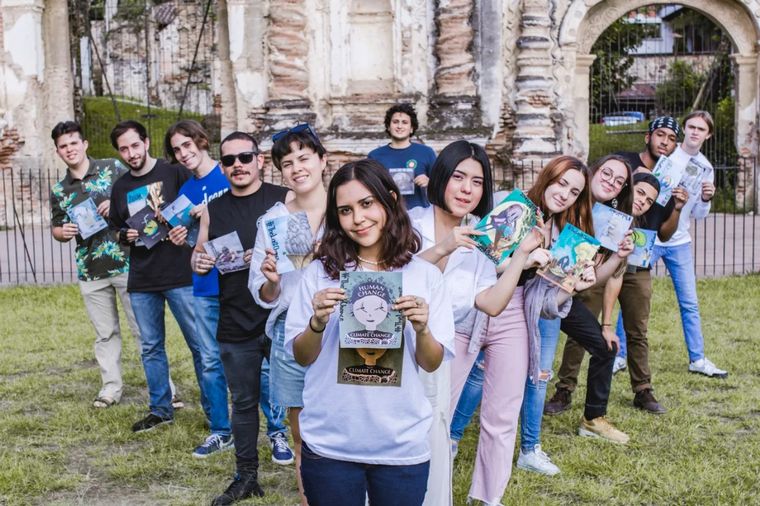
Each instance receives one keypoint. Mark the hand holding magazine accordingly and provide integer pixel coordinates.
(228, 251)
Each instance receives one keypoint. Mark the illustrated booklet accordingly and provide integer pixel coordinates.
(178, 214)
(150, 229)
(570, 253)
(85, 216)
(643, 245)
(228, 251)
(610, 225)
(292, 241)
(693, 175)
(506, 226)
(669, 175)
(404, 179)
(371, 350)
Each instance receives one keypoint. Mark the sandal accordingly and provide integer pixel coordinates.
(103, 402)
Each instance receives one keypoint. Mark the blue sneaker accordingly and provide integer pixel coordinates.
(215, 443)
(281, 452)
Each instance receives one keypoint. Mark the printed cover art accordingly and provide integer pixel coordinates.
(693, 174)
(669, 175)
(610, 225)
(85, 216)
(371, 366)
(228, 251)
(643, 244)
(292, 241)
(506, 226)
(178, 214)
(570, 253)
(365, 317)
(404, 179)
(149, 228)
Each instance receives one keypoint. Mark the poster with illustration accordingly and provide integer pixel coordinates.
(570, 253)
(505, 226)
(371, 366)
(228, 251)
(178, 214)
(85, 216)
(292, 241)
(365, 317)
(404, 179)
(693, 175)
(610, 225)
(150, 230)
(669, 175)
(643, 245)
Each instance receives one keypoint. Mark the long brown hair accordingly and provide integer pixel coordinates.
(399, 240)
(578, 214)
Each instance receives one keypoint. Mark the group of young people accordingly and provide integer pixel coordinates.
(473, 333)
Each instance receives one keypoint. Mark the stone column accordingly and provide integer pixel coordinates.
(226, 78)
(746, 117)
(59, 81)
(580, 91)
(535, 136)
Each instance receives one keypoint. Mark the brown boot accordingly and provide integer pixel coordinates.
(645, 400)
(559, 402)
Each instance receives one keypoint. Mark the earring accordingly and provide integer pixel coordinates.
(614, 203)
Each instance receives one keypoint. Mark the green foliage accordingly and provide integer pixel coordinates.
(676, 95)
(604, 140)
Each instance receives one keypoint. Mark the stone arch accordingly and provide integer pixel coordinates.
(585, 20)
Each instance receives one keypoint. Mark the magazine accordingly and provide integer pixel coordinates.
(404, 179)
(365, 317)
(643, 244)
(506, 226)
(570, 253)
(610, 225)
(292, 241)
(228, 251)
(178, 214)
(693, 174)
(371, 366)
(669, 175)
(85, 216)
(149, 228)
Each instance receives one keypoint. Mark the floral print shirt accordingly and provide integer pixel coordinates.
(100, 255)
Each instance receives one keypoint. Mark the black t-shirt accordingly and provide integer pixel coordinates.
(164, 266)
(633, 159)
(240, 318)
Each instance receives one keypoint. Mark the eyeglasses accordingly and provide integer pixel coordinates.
(303, 127)
(244, 157)
(608, 175)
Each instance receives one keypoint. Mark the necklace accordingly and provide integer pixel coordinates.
(370, 262)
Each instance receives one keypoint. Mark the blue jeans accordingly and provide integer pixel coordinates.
(328, 482)
(214, 383)
(149, 313)
(469, 399)
(535, 393)
(275, 415)
(620, 331)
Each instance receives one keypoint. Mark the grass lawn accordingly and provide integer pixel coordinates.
(56, 449)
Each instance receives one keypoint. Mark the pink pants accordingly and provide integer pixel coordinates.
(506, 368)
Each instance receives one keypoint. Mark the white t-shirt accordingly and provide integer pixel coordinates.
(377, 424)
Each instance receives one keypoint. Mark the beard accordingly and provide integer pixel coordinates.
(653, 151)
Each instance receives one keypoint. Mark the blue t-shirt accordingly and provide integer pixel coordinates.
(202, 191)
(418, 157)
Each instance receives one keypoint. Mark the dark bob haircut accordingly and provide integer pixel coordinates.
(407, 109)
(188, 128)
(123, 127)
(399, 240)
(303, 139)
(66, 127)
(448, 160)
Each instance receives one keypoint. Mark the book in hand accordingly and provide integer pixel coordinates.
(693, 174)
(506, 226)
(570, 253)
(669, 175)
(365, 317)
(228, 251)
(610, 225)
(291, 239)
(178, 214)
(149, 229)
(643, 245)
(404, 179)
(85, 216)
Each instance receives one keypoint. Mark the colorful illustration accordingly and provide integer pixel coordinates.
(85, 216)
(669, 175)
(693, 174)
(178, 214)
(643, 244)
(404, 179)
(292, 241)
(150, 230)
(506, 226)
(570, 254)
(610, 225)
(228, 251)
(366, 319)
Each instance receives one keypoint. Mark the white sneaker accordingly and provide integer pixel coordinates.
(537, 461)
(620, 364)
(704, 366)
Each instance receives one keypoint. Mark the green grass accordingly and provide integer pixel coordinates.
(56, 449)
(604, 140)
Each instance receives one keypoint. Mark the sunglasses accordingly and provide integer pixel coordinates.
(244, 157)
(303, 127)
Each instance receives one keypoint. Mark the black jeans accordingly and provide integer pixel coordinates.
(242, 367)
(582, 326)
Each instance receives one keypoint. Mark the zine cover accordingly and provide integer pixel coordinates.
(570, 252)
(404, 179)
(292, 241)
(150, 229)
(693, 175)
(610, 225)
(85, 216)
(371, 366)
(178, 214)
(506, 226)
(228, 251)
(669, 175)
(643, 244)
(365, 317)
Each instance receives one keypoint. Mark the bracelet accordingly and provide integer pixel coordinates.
(311, 326)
